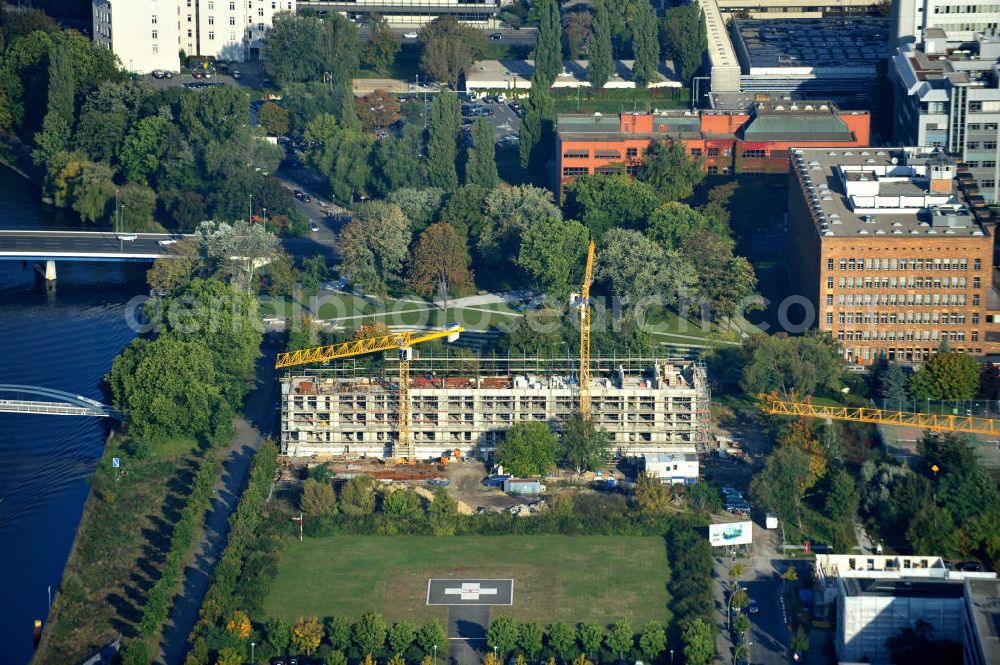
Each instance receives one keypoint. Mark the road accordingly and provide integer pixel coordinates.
(96, 245)
(769, 640)
(251, 429)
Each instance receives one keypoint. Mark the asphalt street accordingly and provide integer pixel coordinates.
(55, 244)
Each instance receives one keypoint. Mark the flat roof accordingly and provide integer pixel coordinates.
(907, 587)
(885, 170)
(984, 600)
(518, 73)
(666, 458)
(833, 43)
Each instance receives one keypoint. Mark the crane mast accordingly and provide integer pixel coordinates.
(585, 334)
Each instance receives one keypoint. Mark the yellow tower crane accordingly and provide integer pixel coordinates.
(773, 405)
(582, 301)
(401, 341)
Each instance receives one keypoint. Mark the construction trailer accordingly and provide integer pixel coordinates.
(647, 405)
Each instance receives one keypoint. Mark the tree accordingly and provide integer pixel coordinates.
(306, 635)
(779, 487)
(401, 636)
(443, 129)
(699, 642)
(582, 660)
(166, 387)
(377, 111)
(799, 434)
(668, 168)
(432, 634)
(894, 385)
(443, 513)
(637, 269)
(948, 375)
(800, 640)
(530, 640)
(318, 498)
(800, 365)
(590, 636)
(228, 656)
(536, 133)
(235, 250)
(273, 119)
(57, 125)
(138, 203)
(301, 48)
(357, 496)
(576, 30)
(645, 44)
(620, 638)
(672, 222)
(683, 39)
(369, 633)
(600, 63)
(652, 496)
(605, 202)
(398, 164)
(338, 632)
(989, 382)
(481, 163)
(216, 114)
(552, 252)
(402, 504)
(509, 213)
(653, 641)
(440, 262)
(419, 205)
(238, 625)
(583, 446)
(374, 245)
(382, 46)
(527, 449)
(561, 639)
(842, 498)
(279, 633)
(449, 48)
(502, 635)
(548, 49)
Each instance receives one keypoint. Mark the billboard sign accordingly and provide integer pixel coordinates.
(733, 533)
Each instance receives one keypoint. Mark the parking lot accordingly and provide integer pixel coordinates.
(506, 123)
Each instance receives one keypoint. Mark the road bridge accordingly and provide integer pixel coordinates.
(52, 246)
(35, 399)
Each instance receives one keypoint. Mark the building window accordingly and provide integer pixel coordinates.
(211, 5)
(975, 106)
(829, 318)
(211, 20)
(829, 299)
(829, 264)
(754, 154)
(155, 34)
(189, 34)
(987, 184)
(232, 6)
(713, 152)
(260, 12)
(713, 170)
(631, 152)
(977, 264)
(156, 48)
(153, 19)
(575, 170)
(829, 282)
(260, 26)
(976, 283)
(232, 20)
(696, 152)
(211, 36)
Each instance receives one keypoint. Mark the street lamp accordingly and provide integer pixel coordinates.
(435, 654)
(671, 657)
(253, 660)
(250, 218)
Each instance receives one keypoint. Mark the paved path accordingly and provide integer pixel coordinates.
(250, 432)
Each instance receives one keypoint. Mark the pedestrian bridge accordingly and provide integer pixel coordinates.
(34, 399)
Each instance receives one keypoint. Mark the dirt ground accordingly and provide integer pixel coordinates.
(467, 486)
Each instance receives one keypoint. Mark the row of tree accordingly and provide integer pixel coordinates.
(565, 644)
(533, 449)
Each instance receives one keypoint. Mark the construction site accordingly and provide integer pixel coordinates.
(647, 405)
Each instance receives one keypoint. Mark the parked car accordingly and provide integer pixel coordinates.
(160, 74)
(314, 227)
(753, 607)
(409, 35)
(236, 74)
(129, 237)
(496, 36)
(439, 482)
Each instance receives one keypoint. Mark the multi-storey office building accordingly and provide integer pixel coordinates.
(960, 20)
(142, 33)
(889, 254)
(150, 34)
(947, 95)
(754, 140)
(646, 406)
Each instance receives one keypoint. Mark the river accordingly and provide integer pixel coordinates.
(64, 339)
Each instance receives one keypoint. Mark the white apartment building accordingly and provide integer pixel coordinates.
(961, 20)
(231, 30)
(149, 34)
(142, 33)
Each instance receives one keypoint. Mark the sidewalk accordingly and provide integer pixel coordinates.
(251, 430)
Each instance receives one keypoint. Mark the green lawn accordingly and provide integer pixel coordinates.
(556, 578)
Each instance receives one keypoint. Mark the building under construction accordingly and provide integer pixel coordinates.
(647, 405)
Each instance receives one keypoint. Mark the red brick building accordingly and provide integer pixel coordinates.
(756, 140)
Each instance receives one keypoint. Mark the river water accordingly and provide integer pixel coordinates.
(64, 339)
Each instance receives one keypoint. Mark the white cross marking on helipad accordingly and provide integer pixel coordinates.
(470, 591)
